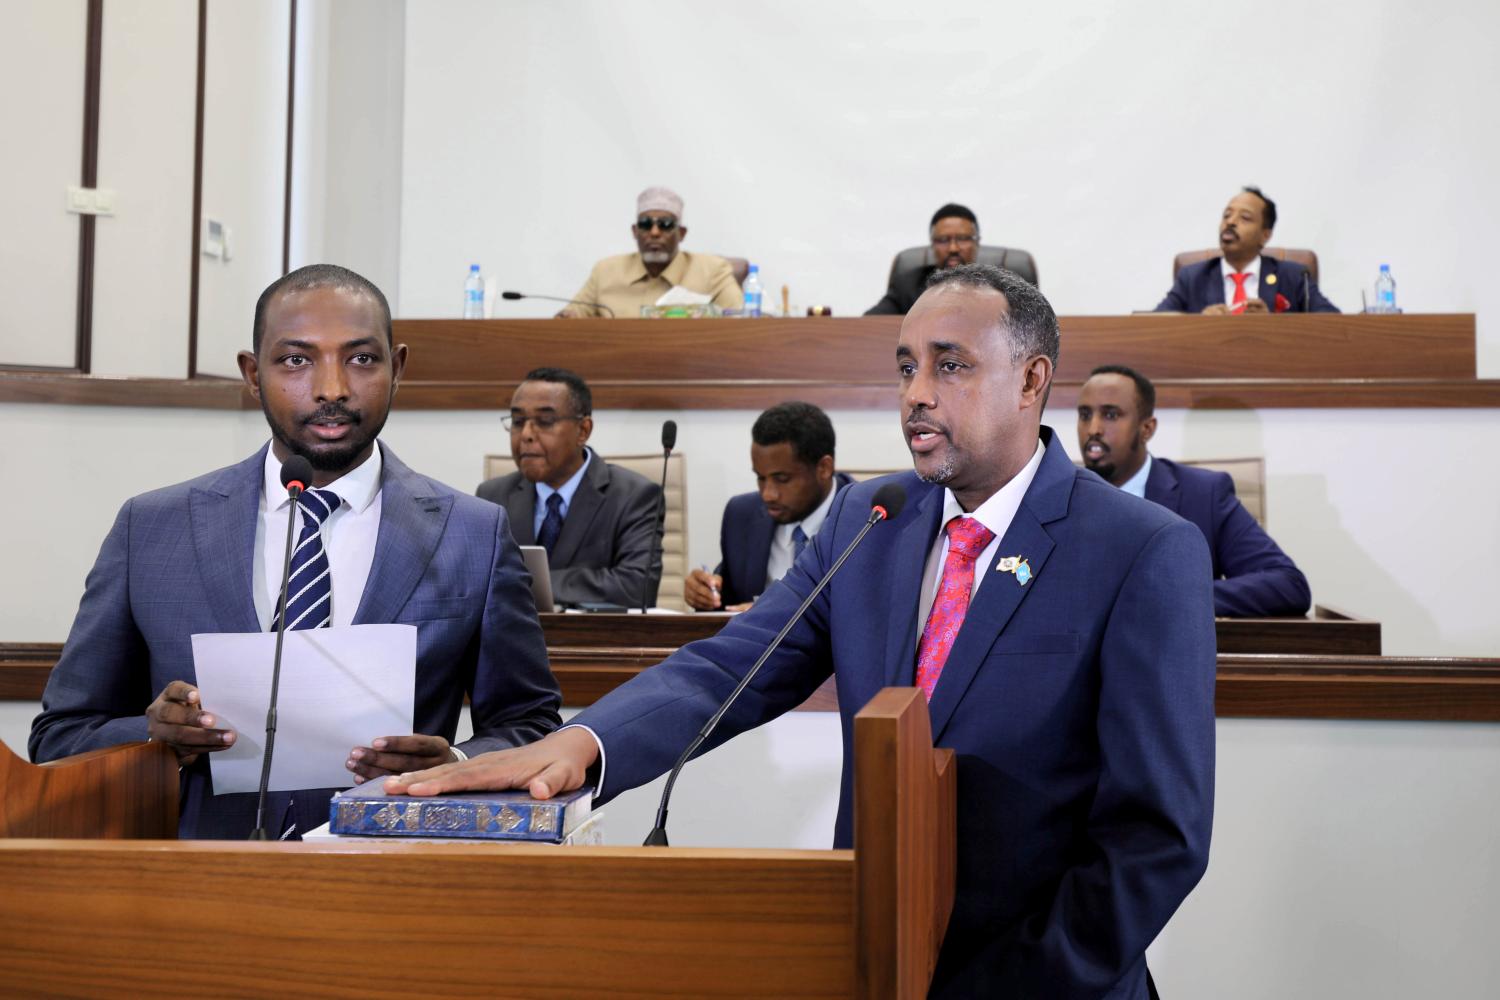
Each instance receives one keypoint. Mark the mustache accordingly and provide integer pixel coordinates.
(332, 411)
(919, 415)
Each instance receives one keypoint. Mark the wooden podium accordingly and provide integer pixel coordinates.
(136, 917)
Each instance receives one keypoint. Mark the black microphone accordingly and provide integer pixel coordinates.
(517, 296)
(296, 475)
(887, 504)
(668, 442)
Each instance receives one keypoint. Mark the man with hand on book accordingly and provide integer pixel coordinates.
(1062, 632)
(378, 543)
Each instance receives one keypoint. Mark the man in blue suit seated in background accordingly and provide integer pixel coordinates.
(791, 451)
(1253, 578)
(1243, 280)
(382, 544)
(1062, 631)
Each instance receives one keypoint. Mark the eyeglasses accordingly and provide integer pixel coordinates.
(646, 223)
(962, 241)
(542, 422)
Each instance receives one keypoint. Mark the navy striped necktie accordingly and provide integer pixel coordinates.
(309, 594)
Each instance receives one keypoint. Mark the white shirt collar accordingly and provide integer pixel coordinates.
(999, 510)
(567, 489)
(1136, 484)
(1226, 269)
(357, 487)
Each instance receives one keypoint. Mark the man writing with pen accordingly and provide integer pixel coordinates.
(791, 452)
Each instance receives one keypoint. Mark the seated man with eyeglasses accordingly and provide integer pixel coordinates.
(954, 233)
(598, 522)
(620, 286)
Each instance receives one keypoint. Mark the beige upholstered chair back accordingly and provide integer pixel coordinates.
(674, 565)
(1249, 475)
(1306, 258)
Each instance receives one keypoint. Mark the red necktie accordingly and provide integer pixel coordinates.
(1239, 278)
(966, 539)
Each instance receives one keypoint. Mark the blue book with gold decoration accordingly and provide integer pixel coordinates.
(366, 810)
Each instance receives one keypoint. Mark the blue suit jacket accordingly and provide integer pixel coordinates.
(1201, 285)
(179, 561)
(1253, 578)
(1080, 707)
(745, 541)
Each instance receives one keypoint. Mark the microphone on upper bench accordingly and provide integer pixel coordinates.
(517, 296)
(296, 476)
(885, 505)
(668, 442)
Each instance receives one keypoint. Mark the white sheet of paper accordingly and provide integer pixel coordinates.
(340, 688)
(679, 296)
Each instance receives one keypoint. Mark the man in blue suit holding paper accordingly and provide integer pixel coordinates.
(380, 543)
(1062, 630)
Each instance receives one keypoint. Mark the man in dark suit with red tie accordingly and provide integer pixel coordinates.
(1062, 630)
(1244, 280)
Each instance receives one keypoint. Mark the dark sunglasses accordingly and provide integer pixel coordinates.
(645, 224)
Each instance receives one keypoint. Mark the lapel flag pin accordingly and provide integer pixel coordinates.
(1270, 279)
(1017, 565)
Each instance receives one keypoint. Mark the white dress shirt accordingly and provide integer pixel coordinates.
(348, 538)
(784, 547)
(996, 513)
(1252, 283)
(1136, 484)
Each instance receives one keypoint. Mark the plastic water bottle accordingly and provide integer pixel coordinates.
(753, 292)
(474, 294)
(1385, 291)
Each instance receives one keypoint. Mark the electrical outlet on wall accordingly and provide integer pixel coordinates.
(213, 238)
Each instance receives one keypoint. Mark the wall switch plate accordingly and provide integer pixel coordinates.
(213, 238)
(90, 201)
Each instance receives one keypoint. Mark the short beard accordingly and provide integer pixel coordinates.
(327, 460)
(1106, 470)
(942, 475)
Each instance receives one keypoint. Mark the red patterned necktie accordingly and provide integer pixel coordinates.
(1240, 298)
(966, 539)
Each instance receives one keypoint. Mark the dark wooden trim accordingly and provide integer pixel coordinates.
(83, 348)
(19, 384)
(1435, 689)
(198, 102)
(203, 393)
(291, 95)
(1190, 349)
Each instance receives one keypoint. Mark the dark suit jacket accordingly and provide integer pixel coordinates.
(1253, 578)
(607, 551)
(745, 541)
(1201, 285)
(1080, 707)
(179, 561)
(905, 288)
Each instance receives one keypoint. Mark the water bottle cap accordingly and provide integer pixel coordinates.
(754, 268)
(1385, 267)
(473, 267)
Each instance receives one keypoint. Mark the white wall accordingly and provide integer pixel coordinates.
(142, 253)
(818, 139)
(41, 51)
(244, 171)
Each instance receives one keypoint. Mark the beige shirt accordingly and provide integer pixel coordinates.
(622, 284)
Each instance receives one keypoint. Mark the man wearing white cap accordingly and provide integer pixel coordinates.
(621, 285)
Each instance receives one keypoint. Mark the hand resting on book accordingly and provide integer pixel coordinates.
(553, 764)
